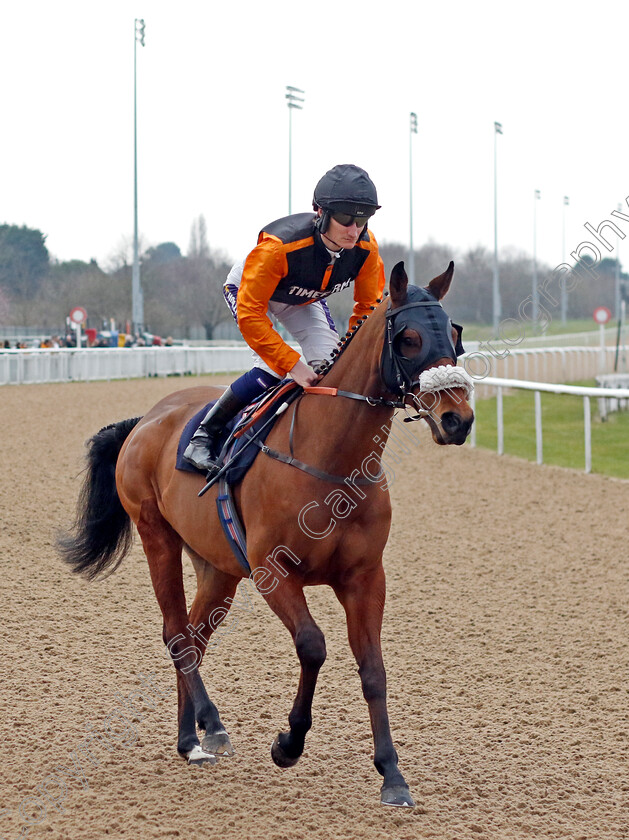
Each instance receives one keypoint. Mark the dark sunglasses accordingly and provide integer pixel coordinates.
(345, 219)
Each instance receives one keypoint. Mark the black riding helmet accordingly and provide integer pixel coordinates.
(345, 189)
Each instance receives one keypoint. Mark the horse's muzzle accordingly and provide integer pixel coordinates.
(454, 428)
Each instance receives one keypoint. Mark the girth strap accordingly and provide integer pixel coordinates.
(231, 524)
(313, 471)
(295, 462)
(291, 393)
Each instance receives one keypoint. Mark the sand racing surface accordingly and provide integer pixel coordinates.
(506, 640)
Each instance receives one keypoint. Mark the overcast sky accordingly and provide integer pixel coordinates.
(213, 121)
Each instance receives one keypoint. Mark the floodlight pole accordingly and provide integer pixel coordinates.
(563, 291)
(293, 101)
(535, 296)
(137, 298)
(617, 295)
(497, 307)
(411, 250)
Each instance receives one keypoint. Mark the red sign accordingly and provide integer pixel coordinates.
(601, 315)
(78, 315)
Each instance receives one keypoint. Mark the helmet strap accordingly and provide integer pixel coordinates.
(325, 236)
(322, 222)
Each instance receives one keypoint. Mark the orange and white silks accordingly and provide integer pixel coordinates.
(290, 265)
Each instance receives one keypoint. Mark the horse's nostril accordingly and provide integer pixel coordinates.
(451, 422)
(456, 427)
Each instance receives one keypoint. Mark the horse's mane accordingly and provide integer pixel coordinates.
(327, 364)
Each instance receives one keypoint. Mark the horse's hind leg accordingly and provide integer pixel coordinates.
(162, 546)
(289, 604)
(363, 601)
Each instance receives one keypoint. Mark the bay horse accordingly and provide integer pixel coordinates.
(286, 513)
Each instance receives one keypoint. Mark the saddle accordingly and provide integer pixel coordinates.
(252, 424)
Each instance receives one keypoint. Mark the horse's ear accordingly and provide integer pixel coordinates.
(398, 285)
(440, 285)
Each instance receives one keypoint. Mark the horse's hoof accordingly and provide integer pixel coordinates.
(218, 744)
(197, 757)
(279, 756)
(398, 795)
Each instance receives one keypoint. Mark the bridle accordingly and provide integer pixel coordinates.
(400, 375)
(424, 314)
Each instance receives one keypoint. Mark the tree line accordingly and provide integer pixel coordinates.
(183, 293)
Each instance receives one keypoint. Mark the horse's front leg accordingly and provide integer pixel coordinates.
(288, 602)
(363, 601)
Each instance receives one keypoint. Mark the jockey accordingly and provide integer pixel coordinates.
(298, 262)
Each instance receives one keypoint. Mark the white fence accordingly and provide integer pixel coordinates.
(542, 364)
(21, 367)
(552, 364)
(538, 388)
(611, 380)
(567, 363)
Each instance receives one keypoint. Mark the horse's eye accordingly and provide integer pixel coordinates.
(410, 344)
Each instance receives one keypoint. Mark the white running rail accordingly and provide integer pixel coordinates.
(549, 388)
(23, 367)
(33, 366)
(540, 364)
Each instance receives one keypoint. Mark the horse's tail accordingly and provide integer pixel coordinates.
(102, 532)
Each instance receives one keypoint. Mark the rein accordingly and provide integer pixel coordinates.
(337, 392)
(430, 379)
(314, 471)
(319, 390)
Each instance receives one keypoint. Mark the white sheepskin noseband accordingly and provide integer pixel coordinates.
(446, 376)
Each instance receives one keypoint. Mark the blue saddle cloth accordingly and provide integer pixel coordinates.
(190, 428)
(240, 452)
(243, 456)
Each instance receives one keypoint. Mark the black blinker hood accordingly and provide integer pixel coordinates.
(421, 312)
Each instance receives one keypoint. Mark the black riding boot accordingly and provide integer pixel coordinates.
(202, 451)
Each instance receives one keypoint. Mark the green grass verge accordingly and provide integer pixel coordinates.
(562, 431)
